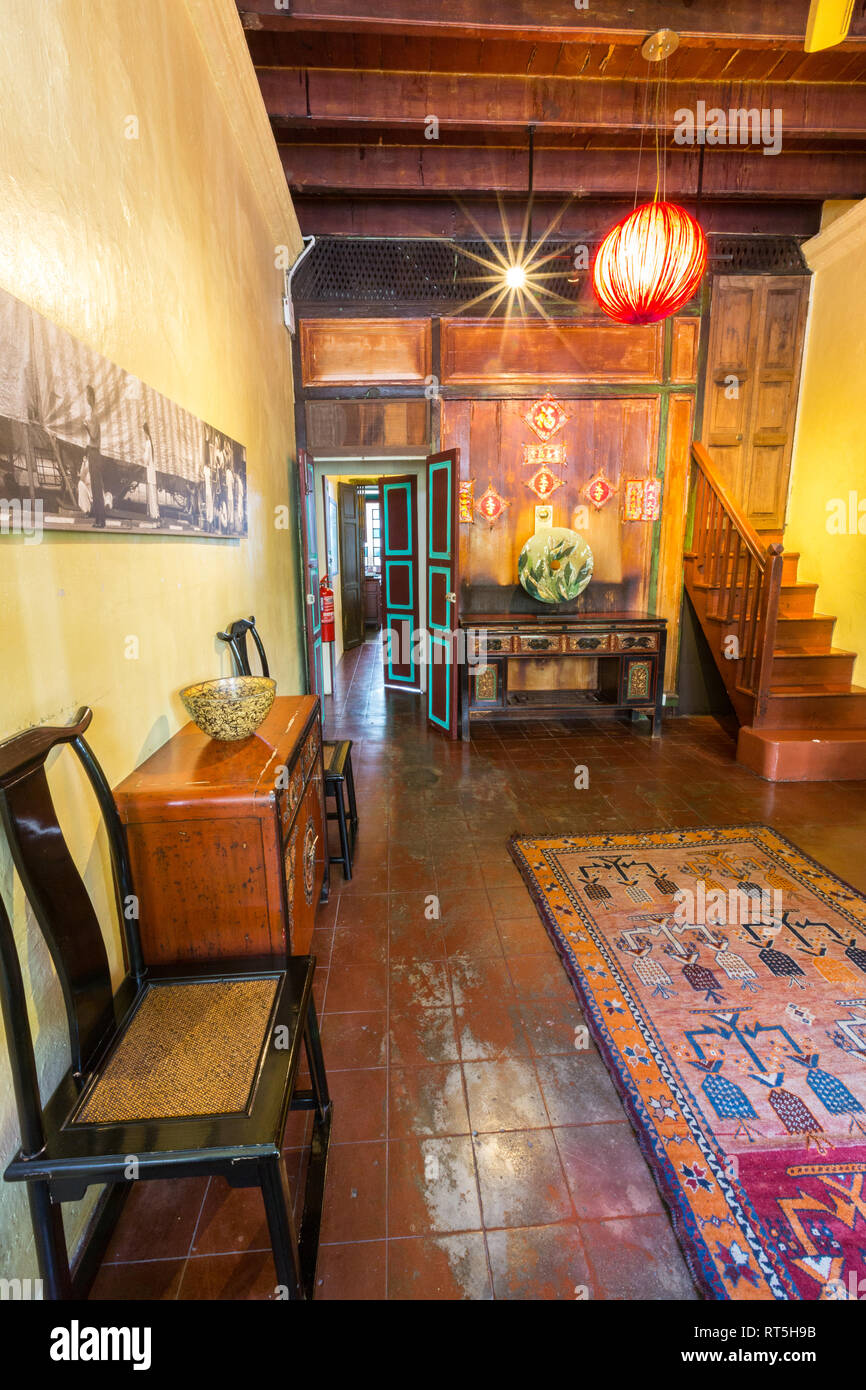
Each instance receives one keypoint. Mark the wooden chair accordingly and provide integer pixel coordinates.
(184, 1071)
(237, 640)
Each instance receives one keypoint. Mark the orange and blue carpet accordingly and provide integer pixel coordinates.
(722, 973)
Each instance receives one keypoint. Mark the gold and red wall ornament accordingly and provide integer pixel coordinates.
(546, 417)
(536, 454)
(466, 501)
(490, 504)
(642, 499)
(599, 490)
(544, 483)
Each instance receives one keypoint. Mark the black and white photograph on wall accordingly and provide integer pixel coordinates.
(95, 449)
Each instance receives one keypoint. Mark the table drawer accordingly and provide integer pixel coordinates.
(531, 643)
(588, 642)
(634, 641)
(492, 643)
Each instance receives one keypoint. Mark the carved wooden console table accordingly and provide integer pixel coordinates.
(622, 666)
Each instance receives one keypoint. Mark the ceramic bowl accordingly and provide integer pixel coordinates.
(230, 708)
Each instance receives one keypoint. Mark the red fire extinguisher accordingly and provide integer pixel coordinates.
(326, 597)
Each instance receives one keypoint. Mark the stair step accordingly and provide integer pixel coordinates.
(797, 600)
(795, 667)
(790, 561)
(790, 755)
(816, 707)
(813, 634)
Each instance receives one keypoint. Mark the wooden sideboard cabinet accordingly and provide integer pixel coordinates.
(227, 840)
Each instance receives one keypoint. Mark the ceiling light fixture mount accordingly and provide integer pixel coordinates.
(660, 45)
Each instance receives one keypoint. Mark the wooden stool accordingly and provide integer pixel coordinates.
(340, 784)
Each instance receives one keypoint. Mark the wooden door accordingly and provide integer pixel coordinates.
(398, 507)
(774, 400)
(757, 324)
(443, 474)
(351, 508)
(310, 574)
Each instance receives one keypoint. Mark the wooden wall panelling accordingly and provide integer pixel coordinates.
(675, 498)
(496, 351)
(391, 424)
(343, 352)
(684, 353)
(619, 434)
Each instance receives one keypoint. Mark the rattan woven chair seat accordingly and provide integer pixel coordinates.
(190, 1049)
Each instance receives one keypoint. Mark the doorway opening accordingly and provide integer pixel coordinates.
(372, 586)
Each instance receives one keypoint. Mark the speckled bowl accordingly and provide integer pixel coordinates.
(230, 708)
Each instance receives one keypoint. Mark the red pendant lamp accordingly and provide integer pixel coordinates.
(652, 262)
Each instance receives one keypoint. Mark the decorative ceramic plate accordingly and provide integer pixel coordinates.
(555, 564)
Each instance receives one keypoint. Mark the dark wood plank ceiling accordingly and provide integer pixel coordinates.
(349, 86)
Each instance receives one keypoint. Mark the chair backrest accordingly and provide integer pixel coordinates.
(237, 640)
(56, 891)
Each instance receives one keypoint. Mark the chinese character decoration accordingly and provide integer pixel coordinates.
(546, 417)
(599, 490)
(642, 499)
(466, 501)
(544, 483)
(535, 455)
(490, 504)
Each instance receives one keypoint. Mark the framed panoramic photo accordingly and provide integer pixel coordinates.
(94, 449)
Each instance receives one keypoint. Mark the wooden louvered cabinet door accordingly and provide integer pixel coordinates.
(757, 325)
(776, 386)
(734, 322)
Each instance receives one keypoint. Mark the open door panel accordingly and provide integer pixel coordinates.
(443, 474)
(398, 503)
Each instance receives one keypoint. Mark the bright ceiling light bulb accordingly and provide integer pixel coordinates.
(515, 277)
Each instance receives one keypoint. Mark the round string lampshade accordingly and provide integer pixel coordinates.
(649, 264)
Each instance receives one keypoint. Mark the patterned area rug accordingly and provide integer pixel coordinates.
(723, 975)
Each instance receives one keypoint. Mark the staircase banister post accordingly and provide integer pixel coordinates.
(771, 588)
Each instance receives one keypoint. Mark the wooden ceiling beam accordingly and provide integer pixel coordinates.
(408, 99)
(580, 173)
(328, 214)
(551, 21)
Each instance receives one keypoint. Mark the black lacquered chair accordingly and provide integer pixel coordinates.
(340, 787)
(236, 636)
(184, 1071)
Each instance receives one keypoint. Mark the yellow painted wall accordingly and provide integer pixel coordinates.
(160, 253)
(830, 449)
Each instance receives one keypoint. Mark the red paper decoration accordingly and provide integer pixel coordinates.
(599, 490)
(490, 504)
(650, 264)
(544, 483)
(535, 454)
(642, 499)
(466, 501)
(546, 417)
(633, 501)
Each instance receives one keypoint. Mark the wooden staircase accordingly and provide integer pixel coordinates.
(801, 719)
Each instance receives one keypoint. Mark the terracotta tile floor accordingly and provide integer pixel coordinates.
(475, 1153)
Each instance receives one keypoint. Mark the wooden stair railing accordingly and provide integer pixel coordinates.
(746, 577)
